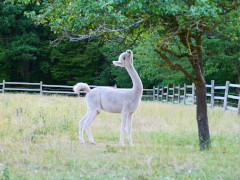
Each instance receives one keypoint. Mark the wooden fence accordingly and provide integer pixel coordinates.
(61, 89)
(175, 94)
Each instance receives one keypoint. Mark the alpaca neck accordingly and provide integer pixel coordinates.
(137, 83)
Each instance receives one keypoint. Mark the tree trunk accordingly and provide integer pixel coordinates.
(202, 118)
(201, 92)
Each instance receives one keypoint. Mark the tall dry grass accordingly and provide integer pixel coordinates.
(39, 140)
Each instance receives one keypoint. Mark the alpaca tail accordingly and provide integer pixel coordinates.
(80, 86)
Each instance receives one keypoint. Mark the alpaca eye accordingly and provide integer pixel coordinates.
(124, 58)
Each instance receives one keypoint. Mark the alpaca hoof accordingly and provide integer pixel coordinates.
(82, 142)
(130, 143)
(93, 143)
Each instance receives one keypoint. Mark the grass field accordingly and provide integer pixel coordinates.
(39, 140)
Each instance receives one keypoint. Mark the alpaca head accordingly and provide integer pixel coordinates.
(125, 59)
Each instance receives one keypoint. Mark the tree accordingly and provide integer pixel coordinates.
(73, 62)
(18, 39)
(21, 43)
(221, 53)
(180, 26)
(109, 74)
(26, 54)
(147, 58)
(4, 66)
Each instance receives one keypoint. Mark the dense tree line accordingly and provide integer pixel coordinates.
(26, 55)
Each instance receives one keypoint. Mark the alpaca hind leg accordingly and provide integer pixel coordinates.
(81, 126)
(129, 128)
(92, 116)
(123, 124)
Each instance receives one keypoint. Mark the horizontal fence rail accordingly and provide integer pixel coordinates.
(175, 94)
(186, 95)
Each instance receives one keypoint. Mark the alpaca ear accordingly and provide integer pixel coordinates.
(129, 52)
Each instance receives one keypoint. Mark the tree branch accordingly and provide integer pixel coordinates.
(99, 32)
(171, 52)
(176, 67)
(136, 39)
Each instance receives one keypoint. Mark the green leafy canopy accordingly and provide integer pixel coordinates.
(180, 24)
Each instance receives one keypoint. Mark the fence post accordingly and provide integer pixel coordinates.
(184, 95)
(3, 86)
(173, 93)
(162, 92)
(40, 87)
(179, 90)
(193, 93)
(226, 96)
(167, 93)
(238, 112)
(115, 86)
(212, 93)
(153, 93)
(158, 93)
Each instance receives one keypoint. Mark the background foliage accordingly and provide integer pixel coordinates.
(26, 54)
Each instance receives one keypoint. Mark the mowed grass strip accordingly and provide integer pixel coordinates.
(39, 140)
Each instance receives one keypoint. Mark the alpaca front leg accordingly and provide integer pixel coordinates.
(124, 119)
(129, 128)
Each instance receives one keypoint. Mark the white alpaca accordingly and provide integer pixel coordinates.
(125, 101)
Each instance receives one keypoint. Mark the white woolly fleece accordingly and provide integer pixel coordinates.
(80, 86)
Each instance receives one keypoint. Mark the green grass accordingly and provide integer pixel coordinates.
(39, 140)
